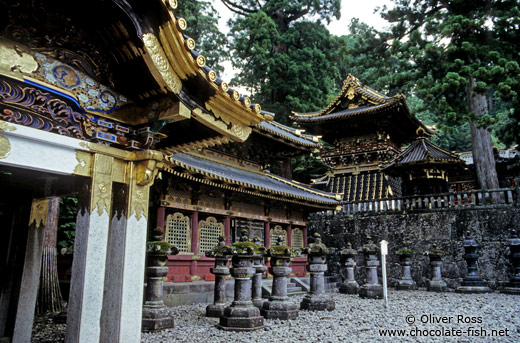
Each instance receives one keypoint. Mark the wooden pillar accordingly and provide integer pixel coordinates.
(267, 234)
(289, 236)
(227, 229)
(194, 232)
(161, 216)
(304, 234)
(31, 272)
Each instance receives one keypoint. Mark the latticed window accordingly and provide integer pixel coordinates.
(209, 231)
(178, 231)
(297, 238)
(278, 231)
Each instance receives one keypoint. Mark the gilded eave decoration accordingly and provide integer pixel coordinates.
(171, 60)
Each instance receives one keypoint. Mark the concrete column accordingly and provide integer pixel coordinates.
(194, 232)
(267, 234)
(90, 254)
(31, 272)
(227, 229)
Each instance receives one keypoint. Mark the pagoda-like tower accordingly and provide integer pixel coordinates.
(366, 130)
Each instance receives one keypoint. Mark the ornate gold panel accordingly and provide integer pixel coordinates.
(39, 209)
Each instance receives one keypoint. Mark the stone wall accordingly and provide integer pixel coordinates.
(490, 227)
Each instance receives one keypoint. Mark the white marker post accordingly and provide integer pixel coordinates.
(384, 252)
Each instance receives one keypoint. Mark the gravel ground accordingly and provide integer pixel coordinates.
(436, 317)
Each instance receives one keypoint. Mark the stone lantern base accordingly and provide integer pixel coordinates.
(156, 319)
(437, 286)
(279, 310)
(511, 290)
(319, 302)
(473, 284)
(349, 287)
(215, 310)
(473, 289)
(406, 284)
(371, 291)
(241, 319)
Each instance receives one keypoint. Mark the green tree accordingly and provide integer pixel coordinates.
(202, 19)
(463, 56)
(287, 61)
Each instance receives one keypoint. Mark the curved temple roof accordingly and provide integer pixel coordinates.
(422, 151)
(226, 175)
(357, 101)
(289, 133)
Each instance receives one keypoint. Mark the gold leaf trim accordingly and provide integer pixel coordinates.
(212, 76)
(182, 24)
(173, 4)
(160, 61)
(5, 147)
(201, 61)
(224, 86)
(39, 209)
(190, 43)
(247, 101)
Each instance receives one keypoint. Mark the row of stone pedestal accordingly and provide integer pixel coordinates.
(248, 309)
(472, 282)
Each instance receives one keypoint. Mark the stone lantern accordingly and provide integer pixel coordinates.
(316, 265)
(155, 313)
(278, 305)
(221, 253)
(405, 259)
(242, 315)
(350, 285)
(472, 282)
(372, 289)
(260, 268)
(436, 284)
(513, 286)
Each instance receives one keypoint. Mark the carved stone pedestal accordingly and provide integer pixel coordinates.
(260, 268)
(242, 315)
(472, 282)
(317, 300)
(513, 286)
(350, 285)
(372, 289)
(221, 254)
(436, 284)
(155, 313)
(278, 305)
(406, 282)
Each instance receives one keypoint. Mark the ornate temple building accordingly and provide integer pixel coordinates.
(125, 113)
(365, 130)
(222, 190)
(424, 168)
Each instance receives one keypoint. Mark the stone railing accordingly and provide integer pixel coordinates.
(443, 201)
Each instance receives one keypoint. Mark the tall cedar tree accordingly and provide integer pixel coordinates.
(464, 56)
(202, 19)
(287, 61)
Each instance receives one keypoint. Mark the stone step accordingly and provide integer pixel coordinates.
(294, 289)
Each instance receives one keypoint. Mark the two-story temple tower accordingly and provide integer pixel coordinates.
(366, 130)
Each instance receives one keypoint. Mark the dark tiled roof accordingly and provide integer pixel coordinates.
(422, 151)
(361, 100)
(289, 133)
(362, 187)
(224, 174)
(348, 113)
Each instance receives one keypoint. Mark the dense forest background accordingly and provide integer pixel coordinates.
(456, 61)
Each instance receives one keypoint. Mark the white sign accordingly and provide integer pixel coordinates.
(384, 247)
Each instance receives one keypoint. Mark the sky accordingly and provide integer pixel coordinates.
(362, 9)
